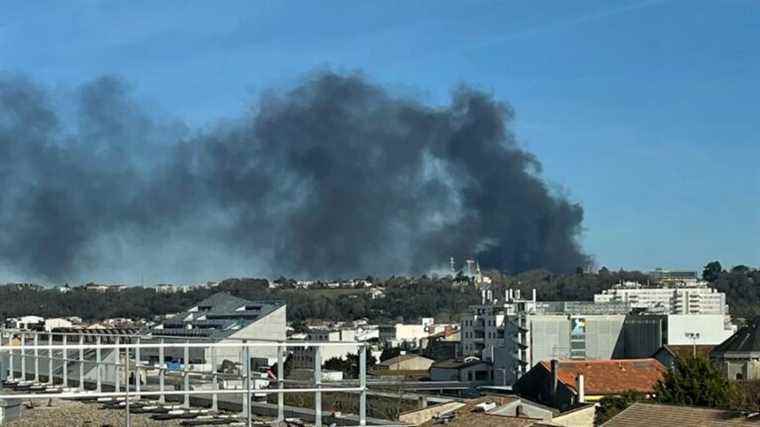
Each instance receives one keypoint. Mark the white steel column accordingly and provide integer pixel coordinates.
(161, 371)
(215, 378)
(4, 375)
(98, 366)
(50, 358)
(10, 357)
(36, 358)
(186, 402)
(248, 412)
(318, 385)
(363, 385)
(23, 357)
(136, 382)
(117, 367)
(280, 385)
(81, 362)
(65, 361)
(138, 387)
(126, 386)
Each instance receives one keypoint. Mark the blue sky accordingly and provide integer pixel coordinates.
(645, 112)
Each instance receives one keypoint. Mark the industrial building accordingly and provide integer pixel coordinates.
(517, 334)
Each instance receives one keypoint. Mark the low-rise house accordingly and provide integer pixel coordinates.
(649, 415)
(443, 345)
(470, 369)
(56, 323)
(168, 289)
(95, 287)
(568, 383)
(29, 322)
(668, 354)
(411, 335)
(406, 362)
(738, 357)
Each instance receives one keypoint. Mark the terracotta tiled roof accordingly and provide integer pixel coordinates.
(602, 377)
(649, 415)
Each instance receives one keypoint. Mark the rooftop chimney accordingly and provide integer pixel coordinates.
(555, 381)
(534, 296)
(579, 387)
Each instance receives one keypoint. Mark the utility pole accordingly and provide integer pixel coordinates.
(693, 336)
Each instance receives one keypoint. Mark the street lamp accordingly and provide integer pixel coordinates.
(693, 336)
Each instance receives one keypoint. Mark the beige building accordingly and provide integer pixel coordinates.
(406, 362)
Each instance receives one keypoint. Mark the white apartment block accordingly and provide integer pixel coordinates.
(695, 298)
(483, 327)
(410, 335)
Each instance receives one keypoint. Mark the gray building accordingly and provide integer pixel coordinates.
(739, 356)
(468, 370)
(518, 334)
(223, 317)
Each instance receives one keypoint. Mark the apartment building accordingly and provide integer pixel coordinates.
(693, 298)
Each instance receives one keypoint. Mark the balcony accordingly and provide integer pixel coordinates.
(519, 344)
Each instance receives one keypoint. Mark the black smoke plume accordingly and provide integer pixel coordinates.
(335, 177)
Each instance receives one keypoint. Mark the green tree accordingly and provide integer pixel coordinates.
(711, 271)
(287, 366)
(610, 406)
(389, 353)
(348, 365)
(694, 381)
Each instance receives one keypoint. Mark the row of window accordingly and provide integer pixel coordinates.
(470, 322)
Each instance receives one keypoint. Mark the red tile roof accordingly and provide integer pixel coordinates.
(603, 377)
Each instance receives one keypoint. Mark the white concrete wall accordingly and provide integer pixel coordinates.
(710, 327)
(267, 328)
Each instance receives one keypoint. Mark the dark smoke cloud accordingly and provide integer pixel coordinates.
(335, 177)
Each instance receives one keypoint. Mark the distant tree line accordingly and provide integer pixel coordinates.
(741, 284)
(405, 298)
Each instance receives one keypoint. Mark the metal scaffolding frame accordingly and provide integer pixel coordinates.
(14, 343)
